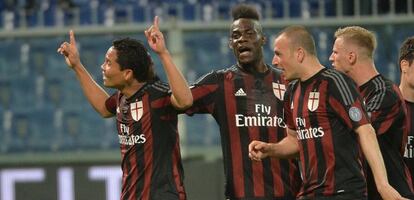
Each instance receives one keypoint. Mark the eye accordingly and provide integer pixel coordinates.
(235, 35)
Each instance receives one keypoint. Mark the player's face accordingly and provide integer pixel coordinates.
(339, 56)
(246, 41)
(284, 58)
(409, 75)
(112, 75)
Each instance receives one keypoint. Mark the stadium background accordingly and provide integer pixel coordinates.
(54, 145)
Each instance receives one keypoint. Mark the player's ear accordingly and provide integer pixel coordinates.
(128, 74)
(300, 54)
(404, 65)
(230, 43)
(352, 57)
(263, 39)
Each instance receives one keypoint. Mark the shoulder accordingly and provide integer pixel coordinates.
(336, 77)
(384, 91)
(159, 86)
(216, 75)
(338, 80)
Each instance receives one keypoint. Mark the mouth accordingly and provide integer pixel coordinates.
(244, 51)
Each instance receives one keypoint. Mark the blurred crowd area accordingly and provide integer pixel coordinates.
(42, 108)
(47, 13)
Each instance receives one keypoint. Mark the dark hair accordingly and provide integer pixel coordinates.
(300, 37)
(133, 55)
(244, 11)
(407, 50)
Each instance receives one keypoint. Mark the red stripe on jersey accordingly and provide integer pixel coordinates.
(327, 142)
(234, 135)
(254, 134)
(148, 149)
(389, 119)
(290, 120)
(339, 108)
(159, 103)
(312, 155)
(257, 167)
(176, 173)
(409, 174)
(275, 163)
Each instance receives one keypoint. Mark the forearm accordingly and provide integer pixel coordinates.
(181, 94)
(95, 94)
(287, 148)
(372, 153)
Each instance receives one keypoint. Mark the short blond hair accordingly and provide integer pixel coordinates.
(299, 36)
(359, 36)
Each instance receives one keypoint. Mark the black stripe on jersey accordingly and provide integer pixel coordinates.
(341, 84)
(140, 162)
(376, 102)
(229, 140)
(321, 144)
(163, 87)
(244, 141)
(305, 147)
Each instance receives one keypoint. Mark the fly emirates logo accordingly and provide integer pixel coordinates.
(307, 133)
(126, 139)
(262, 118)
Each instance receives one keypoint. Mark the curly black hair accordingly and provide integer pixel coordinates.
(244, 11)
(407, 50)
(133, 55)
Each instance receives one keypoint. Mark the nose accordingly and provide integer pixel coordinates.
(275, 61)
(103, 67)
(331, 57)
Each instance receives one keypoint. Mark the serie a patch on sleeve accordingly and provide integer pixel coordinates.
(355, 114)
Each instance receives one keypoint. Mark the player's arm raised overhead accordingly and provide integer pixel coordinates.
(287, 148)
(181, 96)
(93, 92)
(371, 150)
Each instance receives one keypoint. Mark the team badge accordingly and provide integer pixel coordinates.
(136, 110)
(355, 114)
(279, 90)
(313, 101)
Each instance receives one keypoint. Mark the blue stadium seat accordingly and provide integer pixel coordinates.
(43, 136)
(20, 132)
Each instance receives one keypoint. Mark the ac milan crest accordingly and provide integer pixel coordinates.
(313, 101)
(279, 90)
(136, 110)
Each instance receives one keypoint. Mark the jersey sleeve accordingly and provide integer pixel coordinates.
(204, 92)
(111, 103)
(345, 101)
(384, 109)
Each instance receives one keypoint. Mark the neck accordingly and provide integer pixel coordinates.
(312, 67)
(259, 67)
(406, 90)
(131, 88)
(363, 72)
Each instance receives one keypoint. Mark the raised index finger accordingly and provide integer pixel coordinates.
(156, 21)
(72, 37)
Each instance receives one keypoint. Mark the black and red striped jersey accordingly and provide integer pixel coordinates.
(386, 108)
(248, 107)
(150, 151)
(324, 111)
(409, 149)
